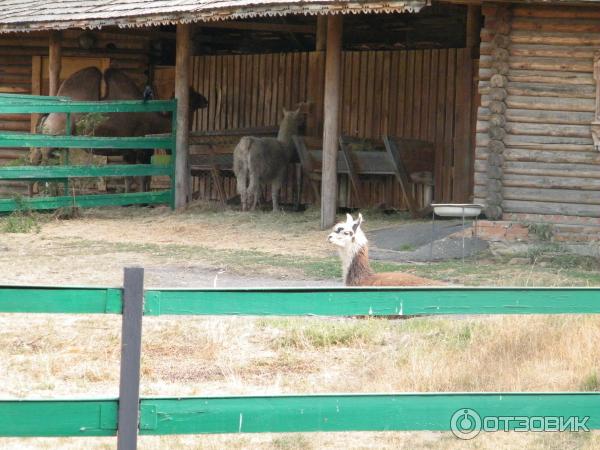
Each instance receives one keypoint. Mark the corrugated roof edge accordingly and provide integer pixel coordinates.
(221, 14)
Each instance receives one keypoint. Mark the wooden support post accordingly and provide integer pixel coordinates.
(473, 29)
(464, 152)
(54, 61)
(331, 125)
(316, 81)
(182, 69)
(321, 37)
(131, 348)
(474, 23)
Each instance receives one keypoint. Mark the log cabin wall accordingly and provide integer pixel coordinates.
(415, 94)
(535, 159)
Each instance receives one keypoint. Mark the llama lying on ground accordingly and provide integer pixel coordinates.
(353, 248)
(258, 161)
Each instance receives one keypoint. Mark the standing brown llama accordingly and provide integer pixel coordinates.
(353, 249)
(258, 161)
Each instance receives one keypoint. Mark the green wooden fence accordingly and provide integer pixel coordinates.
(28, 104)
(294, 413)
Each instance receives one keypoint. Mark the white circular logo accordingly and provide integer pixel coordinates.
(465, 423)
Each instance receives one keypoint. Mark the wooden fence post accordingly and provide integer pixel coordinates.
(131, 347)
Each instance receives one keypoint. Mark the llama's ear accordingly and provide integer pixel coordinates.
(356, 224)
(349, 218)
(285, 111)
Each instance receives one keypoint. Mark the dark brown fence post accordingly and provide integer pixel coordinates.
(131, 347)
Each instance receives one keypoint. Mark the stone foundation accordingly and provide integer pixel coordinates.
(564, 228)
(495, 230)
(516, 227)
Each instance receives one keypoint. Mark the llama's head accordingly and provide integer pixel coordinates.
(290, 124)
(348, 235)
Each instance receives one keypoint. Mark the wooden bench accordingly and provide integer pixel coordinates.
(408, 160)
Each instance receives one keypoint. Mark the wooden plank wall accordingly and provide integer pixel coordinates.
(550, 165)
(414, 94)
(246, 91)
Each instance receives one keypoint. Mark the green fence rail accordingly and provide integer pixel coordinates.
(372, 301)
(294, 413)
(23, 104)
(288, 413)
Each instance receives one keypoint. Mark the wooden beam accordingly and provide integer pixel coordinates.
(258, 26)
(352, 172)
(331, 125)
(182, 69)
(401, 174)
(54, 61)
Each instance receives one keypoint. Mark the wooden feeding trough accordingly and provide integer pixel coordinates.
(410, 161)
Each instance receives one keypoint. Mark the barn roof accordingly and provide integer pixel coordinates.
(30, 15)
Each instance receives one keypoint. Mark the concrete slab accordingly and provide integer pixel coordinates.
(411, 242)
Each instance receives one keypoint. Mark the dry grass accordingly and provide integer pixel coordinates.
(94, 248)
(353, 441)
(65, 356)
(44, 356)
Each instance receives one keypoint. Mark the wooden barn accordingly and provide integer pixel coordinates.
(497, 101)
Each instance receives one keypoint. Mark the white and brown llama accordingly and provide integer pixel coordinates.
(353, 248)
(261, 160)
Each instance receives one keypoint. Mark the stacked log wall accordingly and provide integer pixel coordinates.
(538, 144)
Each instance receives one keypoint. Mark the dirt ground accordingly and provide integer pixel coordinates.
(63, 356)
(93, 249)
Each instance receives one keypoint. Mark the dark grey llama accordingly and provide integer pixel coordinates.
(258, 161)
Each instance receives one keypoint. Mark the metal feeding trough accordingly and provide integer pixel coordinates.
(454, 210)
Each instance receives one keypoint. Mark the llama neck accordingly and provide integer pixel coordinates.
(287, 129)
(355, 262)
(155, 123)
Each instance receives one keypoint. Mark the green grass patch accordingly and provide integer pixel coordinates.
(298, 333)
(573, 261)
(438, 331)
(543, 231)
(292, 442)
(19, 222)
(590, 383)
